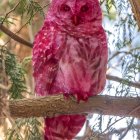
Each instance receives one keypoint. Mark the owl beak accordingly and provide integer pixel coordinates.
(75, 20)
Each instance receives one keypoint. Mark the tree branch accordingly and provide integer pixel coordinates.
(14, 36)
(136, 10)
(56, 105)
(122, 80)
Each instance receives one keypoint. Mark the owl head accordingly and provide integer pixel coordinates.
(75, 12)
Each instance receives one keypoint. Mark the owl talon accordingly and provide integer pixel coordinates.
(73, 98)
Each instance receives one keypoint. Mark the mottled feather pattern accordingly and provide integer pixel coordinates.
(66, 130)
(70, 58)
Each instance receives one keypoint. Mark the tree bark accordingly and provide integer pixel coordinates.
(57, 105)
(136, 10)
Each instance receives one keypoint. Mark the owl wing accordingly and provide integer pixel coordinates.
(45, 60)
(98, 62)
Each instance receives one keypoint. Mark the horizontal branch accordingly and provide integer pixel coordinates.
(122, 80)
(56, 105)
(14, 36)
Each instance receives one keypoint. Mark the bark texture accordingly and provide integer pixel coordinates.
(56, 105)
(136, 10)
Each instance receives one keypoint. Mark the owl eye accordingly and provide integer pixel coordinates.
(65, 8)
(84, 8)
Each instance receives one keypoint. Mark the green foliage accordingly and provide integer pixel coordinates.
(29, 8)
(22, 129)
(25, 129)
(6, 20)
(25, 62)
(109, 5)
(16, 75)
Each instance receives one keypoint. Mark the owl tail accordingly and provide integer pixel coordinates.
(64, 127)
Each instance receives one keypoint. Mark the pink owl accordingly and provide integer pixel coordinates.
(70, 57)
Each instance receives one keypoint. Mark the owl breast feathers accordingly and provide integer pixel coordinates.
(70, 58)
(70, 65)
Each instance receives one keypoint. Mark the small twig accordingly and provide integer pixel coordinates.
(128, 114)
(16, 128)
(5, 87)
(119, 52)
(15, 37)
(121, 80)
(10, 12)
(123, 52)
(127, 130)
